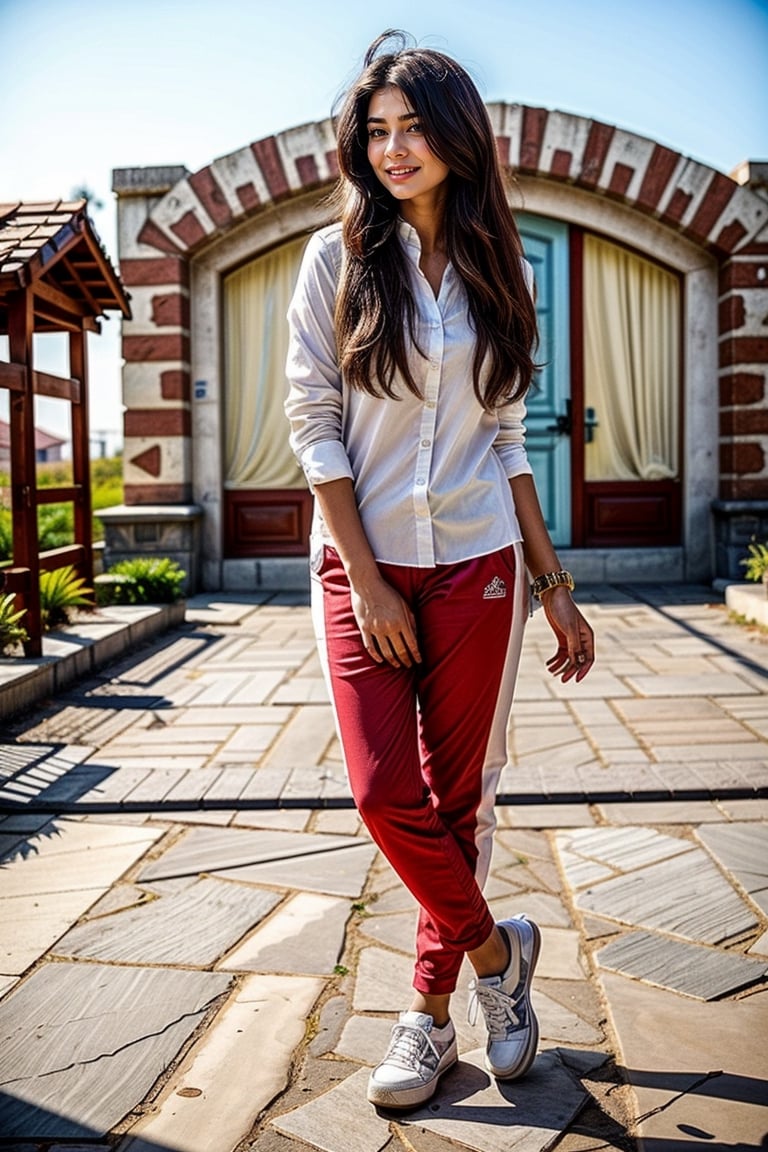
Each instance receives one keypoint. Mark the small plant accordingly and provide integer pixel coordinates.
(756, 564)
(60, 592)
(144, 580)
(11, 631)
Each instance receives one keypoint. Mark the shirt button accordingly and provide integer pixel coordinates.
(426, 443)
(420, 481)
(429, 404)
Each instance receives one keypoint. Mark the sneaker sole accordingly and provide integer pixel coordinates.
(409, 1097)
(529, 1056)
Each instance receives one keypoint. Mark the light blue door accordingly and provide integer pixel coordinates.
(549, 412)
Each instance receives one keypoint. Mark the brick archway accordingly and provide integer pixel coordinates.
(178, 225)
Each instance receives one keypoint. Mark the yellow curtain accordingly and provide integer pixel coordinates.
(256, 299)
(631, 364)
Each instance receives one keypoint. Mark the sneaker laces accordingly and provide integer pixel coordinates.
(502, 1014)
(411, 1048)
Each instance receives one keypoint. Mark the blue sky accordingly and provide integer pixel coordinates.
(85, 88)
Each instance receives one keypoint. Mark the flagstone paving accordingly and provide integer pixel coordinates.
(207, 953)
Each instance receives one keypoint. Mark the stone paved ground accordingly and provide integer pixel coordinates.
(201, 950)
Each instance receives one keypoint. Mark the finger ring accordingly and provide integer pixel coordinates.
(580, 657)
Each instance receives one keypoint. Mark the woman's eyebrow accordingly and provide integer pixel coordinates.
(381, 119)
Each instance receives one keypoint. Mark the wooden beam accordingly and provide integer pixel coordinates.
(68, 492)
(23, 472)
(96, 307)
(81, 456)
(60, 387)
(13, 376)
(58, 299)
(59, 558)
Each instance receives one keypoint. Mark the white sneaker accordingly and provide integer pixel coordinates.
(513, 1030)
(418, 1055)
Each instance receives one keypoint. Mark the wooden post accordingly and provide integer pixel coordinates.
(81, 465)
(23, 465)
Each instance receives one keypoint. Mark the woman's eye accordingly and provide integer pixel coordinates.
(415, 128)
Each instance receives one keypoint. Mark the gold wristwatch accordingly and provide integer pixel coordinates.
(549, 580)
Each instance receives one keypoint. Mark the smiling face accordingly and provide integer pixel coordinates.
(399, 153)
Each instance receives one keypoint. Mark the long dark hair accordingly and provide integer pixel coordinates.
(374, 306)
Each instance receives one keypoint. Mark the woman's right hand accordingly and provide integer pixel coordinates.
(386, 624)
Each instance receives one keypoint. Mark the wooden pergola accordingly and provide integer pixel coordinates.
(54, 277)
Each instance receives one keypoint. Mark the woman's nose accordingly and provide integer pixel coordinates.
(396, 145)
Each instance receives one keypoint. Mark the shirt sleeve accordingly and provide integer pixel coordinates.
(314, 401)
(510, 441)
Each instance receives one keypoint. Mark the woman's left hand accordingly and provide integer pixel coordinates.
(575, 639)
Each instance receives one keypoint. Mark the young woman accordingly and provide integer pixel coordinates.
(412, 330)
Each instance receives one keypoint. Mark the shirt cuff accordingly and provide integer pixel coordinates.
(326, 461)
(514, 460)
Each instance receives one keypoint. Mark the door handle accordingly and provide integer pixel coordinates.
(563, 425)
(590, 423)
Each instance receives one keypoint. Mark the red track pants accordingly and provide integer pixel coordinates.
(424, 746)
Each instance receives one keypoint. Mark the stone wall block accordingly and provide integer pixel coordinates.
(595, 152)
(171, 310)
(684, 195)
(507, 121)
(625, 165)
(310, 142)
(236, 173)
(749, 213)
(154, 384)
(562, 149)
(162, 459)
(181, 216)
(211, 195)
(147, 304)
(661, 170)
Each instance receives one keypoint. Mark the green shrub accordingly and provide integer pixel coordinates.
(144, 580)
(11, 631)
(55, 526)
(756, 564)
(60, 592)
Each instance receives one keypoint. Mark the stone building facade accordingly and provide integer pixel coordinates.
(182, 234)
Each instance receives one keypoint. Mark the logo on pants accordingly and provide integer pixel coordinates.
(496, 590)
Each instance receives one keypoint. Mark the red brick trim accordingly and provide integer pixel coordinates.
(743, 274)
(660, 170)
(175, 385)
(718, 196)
(268, 159)
(157, 270)
(171, 346)
(308, 171)
(621, 178)
(210, 195)
(153, 236)
(248, 197)
(731, 314)
(157, 422)
(172, 308)
(743, 350)
(139, 494)
(595, 152)
(531, 138)
(561, 163)
(189, 230)
(741, 458)
(741, 489)
(744, 422)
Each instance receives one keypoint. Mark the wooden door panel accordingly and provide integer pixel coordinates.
(632, 513)
(272, 522)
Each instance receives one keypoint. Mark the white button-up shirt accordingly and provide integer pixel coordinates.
(430, 472)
